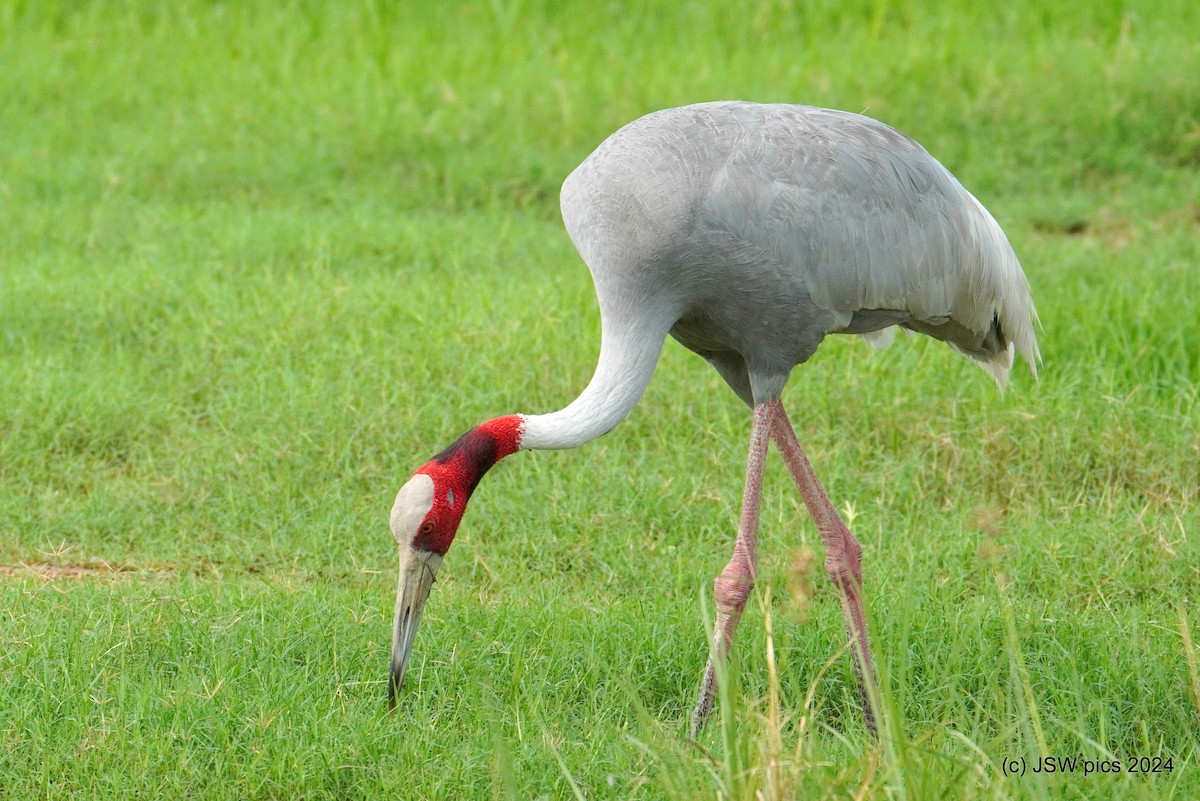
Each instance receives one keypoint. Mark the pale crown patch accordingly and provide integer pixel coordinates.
(413, 502)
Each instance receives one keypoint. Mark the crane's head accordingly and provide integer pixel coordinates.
(425, 518)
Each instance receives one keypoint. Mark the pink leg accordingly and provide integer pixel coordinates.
(843, 554)
(732, 587)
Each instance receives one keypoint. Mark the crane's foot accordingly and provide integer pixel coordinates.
(844, 570)
(864, 698)
(731, 590)
(704, 704)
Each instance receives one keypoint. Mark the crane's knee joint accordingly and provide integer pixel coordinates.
(843, 559)
(731, 592)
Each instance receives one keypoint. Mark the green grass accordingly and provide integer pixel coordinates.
(259, 261)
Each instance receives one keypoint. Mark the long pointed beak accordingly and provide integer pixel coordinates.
(417, 571)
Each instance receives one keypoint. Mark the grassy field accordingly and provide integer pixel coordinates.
(259, 261)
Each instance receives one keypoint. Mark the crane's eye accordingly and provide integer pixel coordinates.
(427, 528)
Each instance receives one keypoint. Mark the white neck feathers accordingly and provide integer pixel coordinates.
(628, 354)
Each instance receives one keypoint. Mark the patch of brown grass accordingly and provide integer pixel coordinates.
(78, 572)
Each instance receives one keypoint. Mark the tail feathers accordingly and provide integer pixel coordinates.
(1007, 302)
(998, 363)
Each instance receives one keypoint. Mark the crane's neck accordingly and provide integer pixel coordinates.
(628, 354)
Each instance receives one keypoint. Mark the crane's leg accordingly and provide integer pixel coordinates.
(843, 554)
(732, 587)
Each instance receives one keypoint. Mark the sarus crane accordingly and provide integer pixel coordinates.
(747, 232)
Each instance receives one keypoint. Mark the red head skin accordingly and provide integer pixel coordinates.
(456, 472)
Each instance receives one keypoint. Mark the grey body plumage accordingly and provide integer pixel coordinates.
(755, 230)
